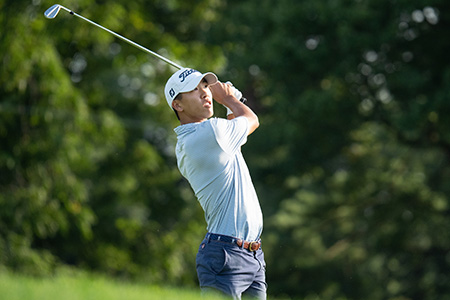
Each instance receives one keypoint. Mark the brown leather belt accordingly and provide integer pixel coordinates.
(250, 246)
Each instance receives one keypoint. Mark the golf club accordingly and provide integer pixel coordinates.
(53, 11)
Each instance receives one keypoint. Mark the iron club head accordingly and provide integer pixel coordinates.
(52, 12)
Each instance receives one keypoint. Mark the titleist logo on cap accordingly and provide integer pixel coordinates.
(186, 74)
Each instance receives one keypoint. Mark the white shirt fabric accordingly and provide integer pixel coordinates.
(209, 156)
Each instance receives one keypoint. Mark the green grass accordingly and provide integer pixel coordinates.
(84, 286)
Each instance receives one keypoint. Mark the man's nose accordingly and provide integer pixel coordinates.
(203, 90)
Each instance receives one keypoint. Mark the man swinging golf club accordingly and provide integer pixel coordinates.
(230, 258)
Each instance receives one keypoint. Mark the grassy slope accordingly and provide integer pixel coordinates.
(81, 286)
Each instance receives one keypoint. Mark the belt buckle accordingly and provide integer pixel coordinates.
(250, 246)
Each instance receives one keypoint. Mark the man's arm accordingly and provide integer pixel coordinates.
(223, 94)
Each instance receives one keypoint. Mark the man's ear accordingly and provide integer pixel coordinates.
(177, 105)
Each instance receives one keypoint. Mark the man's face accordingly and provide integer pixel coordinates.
(196, 105)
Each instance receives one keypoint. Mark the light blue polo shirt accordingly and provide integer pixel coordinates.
(209, 156)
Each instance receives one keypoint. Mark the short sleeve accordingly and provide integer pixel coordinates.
(231, 134)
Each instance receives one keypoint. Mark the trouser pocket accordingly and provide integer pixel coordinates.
(211, 257)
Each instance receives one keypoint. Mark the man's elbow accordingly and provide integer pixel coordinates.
(254, 124)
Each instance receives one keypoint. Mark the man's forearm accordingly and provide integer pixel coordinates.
(223, 94)
(241, 110)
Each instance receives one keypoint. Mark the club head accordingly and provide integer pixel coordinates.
(52, 12)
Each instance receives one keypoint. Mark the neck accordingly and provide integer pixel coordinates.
(187, 120)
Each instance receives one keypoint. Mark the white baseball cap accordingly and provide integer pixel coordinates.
(185, 80)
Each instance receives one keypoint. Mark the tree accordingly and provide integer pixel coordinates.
(351, 157)
(87, 168)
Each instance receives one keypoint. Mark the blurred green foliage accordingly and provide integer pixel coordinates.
(351, 161)
(352, 156)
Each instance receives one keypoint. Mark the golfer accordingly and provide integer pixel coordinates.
(230, 258)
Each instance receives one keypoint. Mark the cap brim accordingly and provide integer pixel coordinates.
(210, 78)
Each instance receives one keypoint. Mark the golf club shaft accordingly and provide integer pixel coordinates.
(124, 39)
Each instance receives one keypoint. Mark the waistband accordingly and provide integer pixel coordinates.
(250, 246)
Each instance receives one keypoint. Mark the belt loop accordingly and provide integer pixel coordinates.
(208, 237)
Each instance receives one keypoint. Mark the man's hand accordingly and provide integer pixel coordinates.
(221, 90)
(223, 93)
(237, 93)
